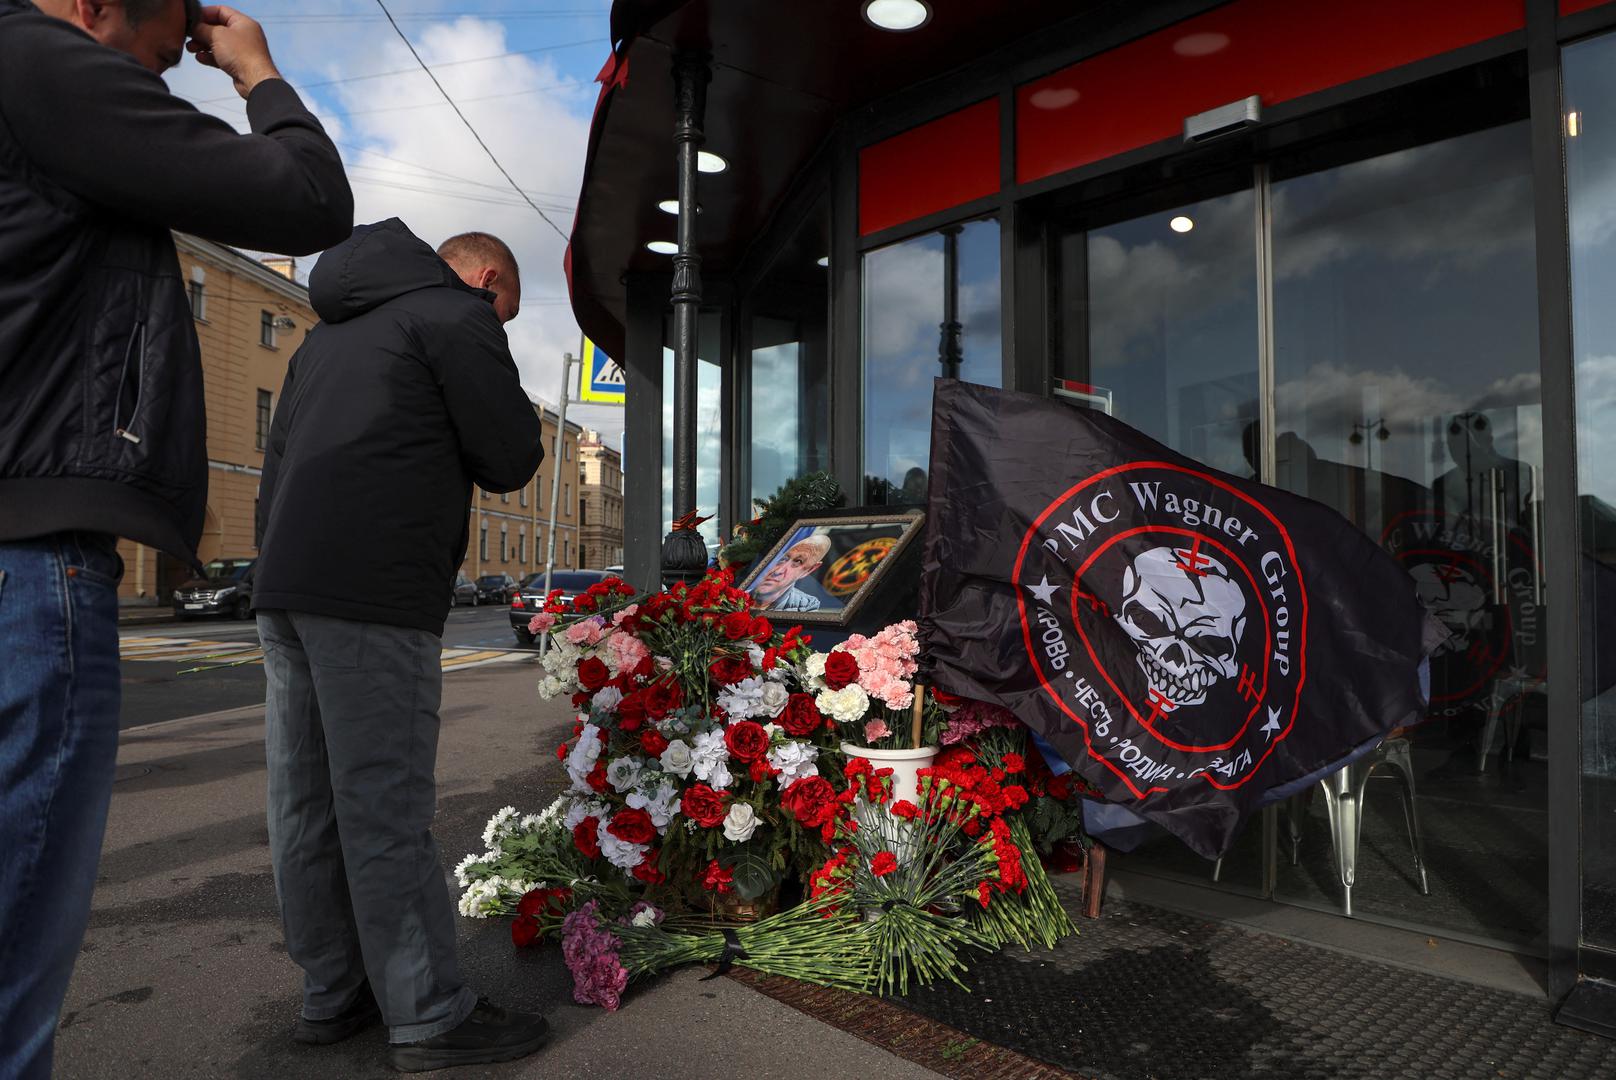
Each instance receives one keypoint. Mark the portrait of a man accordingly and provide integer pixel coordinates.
(777, 589)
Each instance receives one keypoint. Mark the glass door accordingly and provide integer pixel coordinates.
(1399, 292)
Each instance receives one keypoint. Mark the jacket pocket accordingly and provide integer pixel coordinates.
(126, 405)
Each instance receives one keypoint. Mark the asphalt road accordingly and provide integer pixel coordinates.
(177, 669)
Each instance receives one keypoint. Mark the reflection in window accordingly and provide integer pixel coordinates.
(1590, 102)
(709, 428)
(1408, 398)
(1172, 325)
(908, 342)
(790, 408)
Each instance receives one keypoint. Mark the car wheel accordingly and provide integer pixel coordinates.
(473, 599)
(241, 609)
(524, 638)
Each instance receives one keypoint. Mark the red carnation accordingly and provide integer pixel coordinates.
(661, 698)
(801, 716)
(811, 800)
(905, 809)
(737, 625)
(561, 752)
(883, 864)
(1060, 787)
(840, 670)
(703, 805)
(652, 742)
(632, 826)
(583, 837)
(597, 777)
(746, 740)
(729, 670)
(593, 673)
(524, 931)
(648, 871)
(717, 879)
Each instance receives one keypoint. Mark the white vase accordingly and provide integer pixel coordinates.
(897, 836)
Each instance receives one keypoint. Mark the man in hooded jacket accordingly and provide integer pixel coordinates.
(402, 398)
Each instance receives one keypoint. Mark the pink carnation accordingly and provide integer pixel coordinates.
(541, 623)
(626, 613)
(625, 651)
(586, 632)
(887, 663)
(875, 730)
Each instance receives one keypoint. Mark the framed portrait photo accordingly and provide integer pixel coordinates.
(823, 569)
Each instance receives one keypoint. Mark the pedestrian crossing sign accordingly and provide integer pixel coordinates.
(600, 378)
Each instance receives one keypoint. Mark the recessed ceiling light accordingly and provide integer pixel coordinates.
(897, 15)
(1051, 97)
(663, 247)
(708, 162)
(668, 206)
(823, 260)
(1181, 224)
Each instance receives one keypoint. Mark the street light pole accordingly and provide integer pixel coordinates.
(691, 73)
(555, 478)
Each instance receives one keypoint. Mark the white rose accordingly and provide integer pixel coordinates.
(677, 759)
(606, 699)
(772, 701)
(623, 773)
(740, 823)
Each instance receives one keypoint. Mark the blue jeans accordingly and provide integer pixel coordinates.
(58, 745)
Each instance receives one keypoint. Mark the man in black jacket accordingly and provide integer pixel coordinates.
(402, 397)
(101, 419)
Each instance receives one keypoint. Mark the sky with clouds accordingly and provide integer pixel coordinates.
(522, 71)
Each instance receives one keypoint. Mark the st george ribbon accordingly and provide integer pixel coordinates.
(1186, 640)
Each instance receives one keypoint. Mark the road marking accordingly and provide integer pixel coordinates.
(246, 653)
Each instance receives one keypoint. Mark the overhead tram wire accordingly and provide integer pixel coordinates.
(503, 171)
(411, 71)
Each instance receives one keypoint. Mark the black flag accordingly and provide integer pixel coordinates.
(1186, 640)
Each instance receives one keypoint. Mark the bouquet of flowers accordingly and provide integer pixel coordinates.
(695, 761)
(809, 942)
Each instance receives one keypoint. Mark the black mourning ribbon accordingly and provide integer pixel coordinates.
(732, 952)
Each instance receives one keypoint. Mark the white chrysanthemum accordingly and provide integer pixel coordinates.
(461, 877)
(481, 899)
(623, 773)
(528, 823)
(498, 827)
(557, 807)
(795, 760)
(606, 699)
(845, 706)
(619, 853)
(740, 823)
(661, 803)
(677, 759)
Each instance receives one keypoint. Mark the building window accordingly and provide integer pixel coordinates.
(583, 510)
(266, 329)
(483, 493)
(504, 543)
(566, 552)
(908, 288)
(505, 497)
(566, 498)
(521, 546)
(199, 299)
(566, 450)
(521, 498)
(482, 541)
(266, 405)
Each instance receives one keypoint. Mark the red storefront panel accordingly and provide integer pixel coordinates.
(1141, 92)
(940, 164)
(1571, 7)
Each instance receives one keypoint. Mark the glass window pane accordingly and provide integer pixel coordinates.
(1590, 102)
(906, 292)
(709, 428)
(1172, 326)
(1408, 398)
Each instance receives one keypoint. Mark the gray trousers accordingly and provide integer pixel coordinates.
(352, 742)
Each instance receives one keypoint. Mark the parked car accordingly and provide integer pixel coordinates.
(496, 589)
(465, 590)
(615, 571)
(224, 589)
(529, 601)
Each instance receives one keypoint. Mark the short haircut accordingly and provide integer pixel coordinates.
(818, 542)
(479, 248)
(138, 11)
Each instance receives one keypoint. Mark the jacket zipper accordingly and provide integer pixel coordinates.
(136, 347)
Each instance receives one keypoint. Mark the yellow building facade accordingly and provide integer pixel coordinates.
(600, 525)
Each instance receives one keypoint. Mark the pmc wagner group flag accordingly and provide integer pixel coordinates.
(1186, 640)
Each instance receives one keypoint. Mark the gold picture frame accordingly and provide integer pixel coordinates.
(829, 566)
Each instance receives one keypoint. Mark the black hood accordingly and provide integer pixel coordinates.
(378, 263)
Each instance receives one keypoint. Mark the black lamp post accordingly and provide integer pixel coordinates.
(950, 347)
(684, 555)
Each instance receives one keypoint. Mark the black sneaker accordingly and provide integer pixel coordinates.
(489, 1034)
(363, 1013)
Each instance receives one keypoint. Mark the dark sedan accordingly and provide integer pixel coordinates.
(224, 589)
(496, 589)
(530, 600)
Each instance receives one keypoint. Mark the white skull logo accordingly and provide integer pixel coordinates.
(1454, 596)
(1187, 616)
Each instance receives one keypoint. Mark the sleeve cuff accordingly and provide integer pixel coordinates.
(271, 101)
